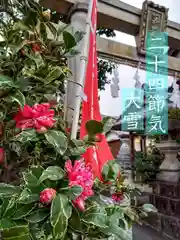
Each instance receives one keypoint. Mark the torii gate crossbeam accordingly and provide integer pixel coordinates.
(117, 15)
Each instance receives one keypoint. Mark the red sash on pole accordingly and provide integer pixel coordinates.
(97, 156)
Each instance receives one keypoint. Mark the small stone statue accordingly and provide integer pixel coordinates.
(115, 85)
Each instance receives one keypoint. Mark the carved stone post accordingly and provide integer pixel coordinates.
(77, 17)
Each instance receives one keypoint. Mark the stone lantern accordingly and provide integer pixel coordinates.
(170, 167)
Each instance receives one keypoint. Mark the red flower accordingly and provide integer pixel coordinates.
(68, 130)
(36, 47)
(2, 155)
(80, 175)
(37, 117)
(117, 197)
(47, 195)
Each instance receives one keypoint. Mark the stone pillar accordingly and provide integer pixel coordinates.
(170, 167)
(77, 18)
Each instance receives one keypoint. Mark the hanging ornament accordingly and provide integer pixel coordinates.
(178, 81)
(115, 83)
(137, 78)
(175, 96)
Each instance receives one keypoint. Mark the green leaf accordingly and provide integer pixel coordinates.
(77, 151)
(59, 215)
(74, 192)
(28, 135)
(69, 40)
(60, 204)
(108, 123)
(38, 215)
(20, 26)
(61, 28)
(19, 98)
(55, 73)
(28, 197)
(6, 82)
(111, 171)
(95, 215)
(37, 170)
(75, 221)
(52, 29)
(60, 229)
(114, 214)
(6, 223)
(43, 31)
(131, 214)
(94, 127)
(78, 147)
(36, 58)
(53, 173)
(23, 211)
(17, 232)
(31, 182)
(66, 206)
(7, 207)
(119, 232)
(149, 208)
(8, 190)
(23, 237)
(58, 140)
(56, 210)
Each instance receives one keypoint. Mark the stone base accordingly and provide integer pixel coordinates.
(165, 205)
(168, 176)
(166, 225)
(166, 198)
(166, 189)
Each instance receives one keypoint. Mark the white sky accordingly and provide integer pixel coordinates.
(112, 106)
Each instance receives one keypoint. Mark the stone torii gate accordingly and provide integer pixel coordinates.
(123, 17)
(120, 16)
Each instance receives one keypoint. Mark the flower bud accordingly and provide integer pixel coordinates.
(117, 197)
(68, 130)
(36, 47)
(46, 15)
(47, 195)
(42, 130)
(80, 203)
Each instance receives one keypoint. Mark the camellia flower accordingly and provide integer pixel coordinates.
(117, 197)
(80, 175)
(39, 116)
(2, 155)
(47, 195)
